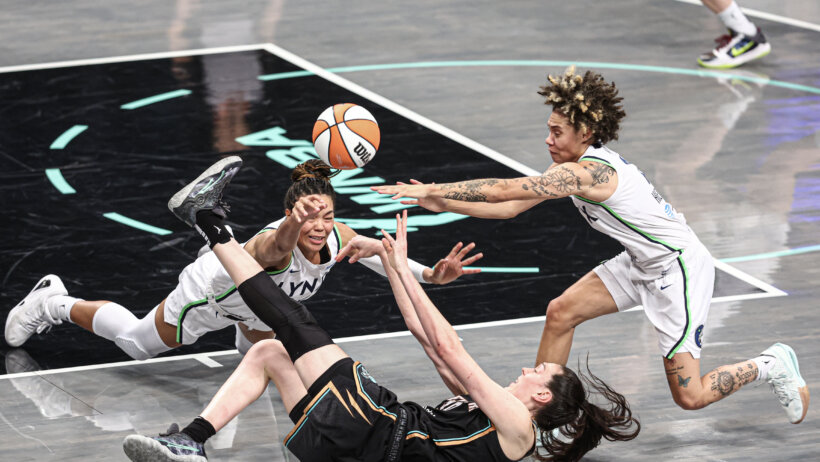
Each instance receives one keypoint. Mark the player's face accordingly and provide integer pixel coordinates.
(314, 233)
(565, 143)
(535, 379)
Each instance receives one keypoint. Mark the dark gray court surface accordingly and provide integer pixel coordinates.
(738, 153)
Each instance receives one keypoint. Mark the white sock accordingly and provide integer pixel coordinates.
(734, 19)
(764, 365)
(59, 306)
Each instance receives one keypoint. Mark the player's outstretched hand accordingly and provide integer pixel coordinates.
(433, 204)
(397, 248)
(451, 267)
(360, 247)
(417, 190)
(308, 207)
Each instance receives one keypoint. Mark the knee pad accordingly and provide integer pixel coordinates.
(141, 340)
(292, 322)
(132, 348)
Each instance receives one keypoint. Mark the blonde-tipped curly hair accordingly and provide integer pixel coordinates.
(589, 102)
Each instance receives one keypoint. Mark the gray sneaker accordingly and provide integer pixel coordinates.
(171, 446)
(787, 384)
(204, 193)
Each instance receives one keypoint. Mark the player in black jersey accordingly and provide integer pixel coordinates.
(342, 414)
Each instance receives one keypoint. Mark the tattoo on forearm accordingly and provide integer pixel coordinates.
(556, 182)
(468, 191)
(600, 173)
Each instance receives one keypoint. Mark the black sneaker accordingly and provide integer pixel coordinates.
(169, 446)
(735, 49)
(205, 193)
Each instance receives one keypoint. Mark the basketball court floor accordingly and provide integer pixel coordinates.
(109, 108)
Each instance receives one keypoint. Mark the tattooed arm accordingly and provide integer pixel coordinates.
(592, 180)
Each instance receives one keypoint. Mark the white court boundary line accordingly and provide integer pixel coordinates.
(206, 358)
(767, 16)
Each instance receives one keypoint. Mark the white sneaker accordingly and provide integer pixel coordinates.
(31, 315)
(735, 49)
(787, 384)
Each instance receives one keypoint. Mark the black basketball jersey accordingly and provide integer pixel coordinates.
(455, 431)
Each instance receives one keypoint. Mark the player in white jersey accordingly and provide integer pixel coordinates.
(297, 253)
(664, 267)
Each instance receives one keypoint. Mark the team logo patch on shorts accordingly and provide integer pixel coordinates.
(363, 372)
(699, 336)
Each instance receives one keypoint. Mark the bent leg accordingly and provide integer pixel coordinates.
(586, 299)
(310, 348)
(691, 391)
(267, 360)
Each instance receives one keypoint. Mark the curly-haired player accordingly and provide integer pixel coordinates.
(664, 266)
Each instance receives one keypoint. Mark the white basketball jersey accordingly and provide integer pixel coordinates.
(300, 279)
(636, 215)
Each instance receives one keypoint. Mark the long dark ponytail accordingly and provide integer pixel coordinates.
(580, 423)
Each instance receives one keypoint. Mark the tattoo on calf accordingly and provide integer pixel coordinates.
(600, 173)
(745, 376)
(723, 383)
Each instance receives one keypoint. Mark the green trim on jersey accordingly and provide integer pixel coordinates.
(633, 227)
(338, 236)
(595, 159)
(651, 238)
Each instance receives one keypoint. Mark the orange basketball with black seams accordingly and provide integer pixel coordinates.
(346, 136)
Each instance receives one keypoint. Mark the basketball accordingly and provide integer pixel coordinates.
(346, 136)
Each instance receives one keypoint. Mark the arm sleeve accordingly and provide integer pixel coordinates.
(375, 264)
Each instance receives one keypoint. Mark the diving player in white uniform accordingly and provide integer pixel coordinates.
(296, 253)
(664, 266)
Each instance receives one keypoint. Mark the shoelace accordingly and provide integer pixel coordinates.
(221, 207)
(780, 387)
(37, 324)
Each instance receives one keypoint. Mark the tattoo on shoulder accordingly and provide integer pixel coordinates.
(468, 191)
(556, 182)
(601, 173)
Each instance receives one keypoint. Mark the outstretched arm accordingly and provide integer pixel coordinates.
(509, 415)
(273, 248)
(592, 180)
(446, 270)
(500, 210)
(361, 245)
